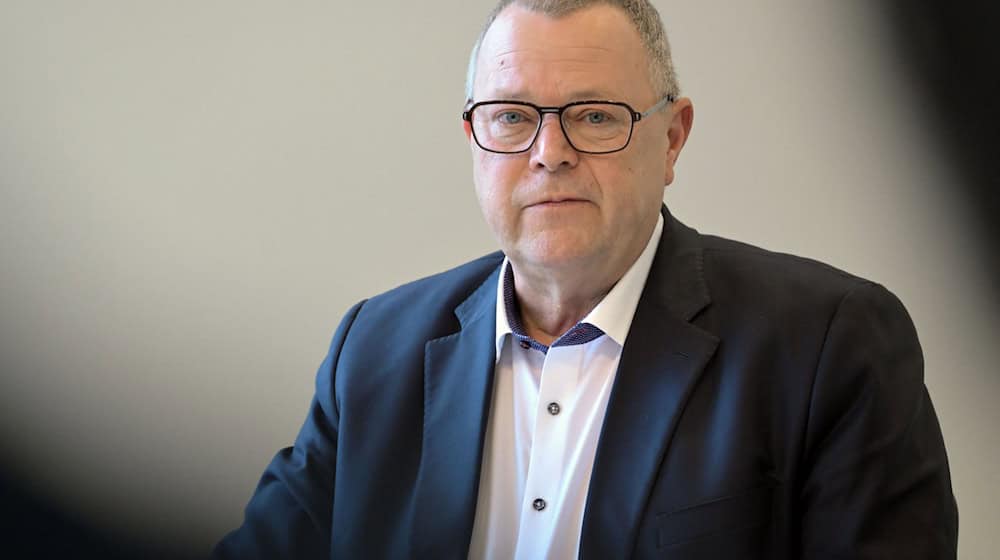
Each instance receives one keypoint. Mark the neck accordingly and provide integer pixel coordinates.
(552, 300)
(550, 309)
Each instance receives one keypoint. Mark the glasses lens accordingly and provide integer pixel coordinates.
(504, 127)
(597, 127)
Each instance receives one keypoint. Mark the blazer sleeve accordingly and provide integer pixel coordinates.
(877, 482)
(289, 514)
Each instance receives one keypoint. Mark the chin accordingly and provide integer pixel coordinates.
(559, 252)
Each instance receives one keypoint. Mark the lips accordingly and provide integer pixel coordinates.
(557, 201)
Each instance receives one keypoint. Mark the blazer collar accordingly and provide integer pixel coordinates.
(458, 388)
(661, 363)
(677, 279)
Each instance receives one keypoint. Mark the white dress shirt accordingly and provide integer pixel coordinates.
(545, 420)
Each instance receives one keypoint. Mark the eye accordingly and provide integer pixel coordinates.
(510, 117)
(597, 117)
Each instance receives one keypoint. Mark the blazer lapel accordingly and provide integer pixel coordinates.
(458, 388)
(661, 363)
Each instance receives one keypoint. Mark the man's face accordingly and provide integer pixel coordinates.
(553, 208)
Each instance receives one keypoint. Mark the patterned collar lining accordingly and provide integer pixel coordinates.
(581, 333)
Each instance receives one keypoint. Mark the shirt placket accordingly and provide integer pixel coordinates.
(547, 465)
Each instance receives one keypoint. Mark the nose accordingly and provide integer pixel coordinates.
(552, 151)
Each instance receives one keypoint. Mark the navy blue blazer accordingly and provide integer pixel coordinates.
(765, 407)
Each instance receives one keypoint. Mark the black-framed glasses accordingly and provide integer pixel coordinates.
(590, 127)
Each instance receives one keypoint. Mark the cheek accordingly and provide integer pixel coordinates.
(496, 173)
(650, 168)
(492, 189)
(631, 188)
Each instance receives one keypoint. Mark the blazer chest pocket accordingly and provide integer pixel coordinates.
(730, 525)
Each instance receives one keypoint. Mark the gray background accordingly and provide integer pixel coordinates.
(192, 193)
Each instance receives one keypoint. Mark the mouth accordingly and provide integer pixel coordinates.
(557, 202)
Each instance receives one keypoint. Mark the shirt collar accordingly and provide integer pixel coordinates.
(612, 315)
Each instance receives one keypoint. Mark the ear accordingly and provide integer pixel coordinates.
(681, 119)
(467, 127)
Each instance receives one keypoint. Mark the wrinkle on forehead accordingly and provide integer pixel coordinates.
(501, 51)
(510, 73)
(576, 59)
(508, 83)
(542, 52)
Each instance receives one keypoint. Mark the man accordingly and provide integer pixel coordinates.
(614, 384)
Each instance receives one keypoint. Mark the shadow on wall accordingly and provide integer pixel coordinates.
(951, 55)
(34, 529)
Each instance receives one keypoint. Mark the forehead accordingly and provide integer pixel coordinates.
(591, 52)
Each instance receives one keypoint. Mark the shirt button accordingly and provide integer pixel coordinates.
(525, 345)
(554, 408)
(538, 504)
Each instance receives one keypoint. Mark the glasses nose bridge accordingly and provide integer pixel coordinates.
(558, 112)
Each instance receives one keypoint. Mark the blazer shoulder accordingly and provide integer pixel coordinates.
(762, 289)
(730, 264)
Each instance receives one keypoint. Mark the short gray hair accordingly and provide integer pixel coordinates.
(642, 14)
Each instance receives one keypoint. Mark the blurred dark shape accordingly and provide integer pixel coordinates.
(35, 529)
(952, 54)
